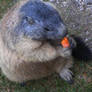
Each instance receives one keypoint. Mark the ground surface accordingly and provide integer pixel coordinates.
(82, 71)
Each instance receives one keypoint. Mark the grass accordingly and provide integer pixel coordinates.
(53, 83)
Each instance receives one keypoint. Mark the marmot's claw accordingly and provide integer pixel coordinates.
(67, 74)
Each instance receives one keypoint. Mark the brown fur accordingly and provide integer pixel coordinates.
(28, 59)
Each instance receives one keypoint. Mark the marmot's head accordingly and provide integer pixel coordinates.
(40, 21)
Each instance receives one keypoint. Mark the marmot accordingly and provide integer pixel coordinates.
(29, 36)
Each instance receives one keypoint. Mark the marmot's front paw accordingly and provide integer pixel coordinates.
(64, 52)
(67, 52)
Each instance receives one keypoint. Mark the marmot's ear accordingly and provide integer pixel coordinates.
(81, 51)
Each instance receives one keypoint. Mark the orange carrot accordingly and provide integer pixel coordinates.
(65, 42)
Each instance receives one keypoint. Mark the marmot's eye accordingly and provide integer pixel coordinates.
(30, 20)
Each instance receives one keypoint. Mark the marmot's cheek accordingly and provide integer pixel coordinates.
(35, 32)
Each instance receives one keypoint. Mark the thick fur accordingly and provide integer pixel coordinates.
(23, 58)
(81, 52)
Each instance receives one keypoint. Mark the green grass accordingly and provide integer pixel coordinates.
(53, 83)
(4, 6)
